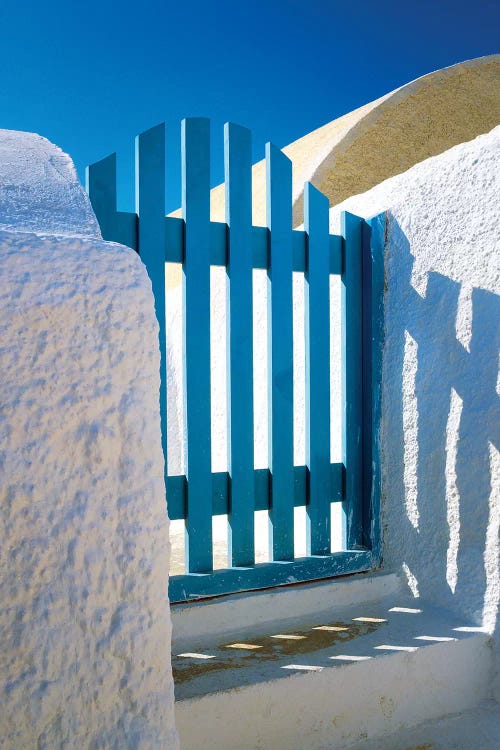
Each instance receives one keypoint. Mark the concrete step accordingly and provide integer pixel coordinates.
(329, 678)
(475, 729)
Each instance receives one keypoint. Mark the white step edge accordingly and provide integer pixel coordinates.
(211, 619)
(334, 708)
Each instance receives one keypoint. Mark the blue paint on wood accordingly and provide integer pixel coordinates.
(260, 247)
(317, 351)
(196, 242)
(218, 243)
(100, 183)
(280, 347)
(176, 497)
(266, 575)
(177, 490)
(100, 179)
(240, 433)
(150, 208)
(174, 249)
(174, 239)
(374, 233)
(196, 341)
(352, 379)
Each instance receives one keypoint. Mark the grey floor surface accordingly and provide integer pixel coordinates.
(476, 729)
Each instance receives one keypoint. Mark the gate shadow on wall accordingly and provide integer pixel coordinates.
(442, 437)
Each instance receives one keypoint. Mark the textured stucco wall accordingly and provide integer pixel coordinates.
(39, 189)
(84, 551)
(441, 416)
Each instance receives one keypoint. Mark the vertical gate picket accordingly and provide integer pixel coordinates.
(199, 243)
(280, 349)
(196, 341)
(317, 330)
(100, 183)
(352, 378)
(150, 208)
(241, 484)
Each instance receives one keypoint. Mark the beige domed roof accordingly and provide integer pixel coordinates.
(386, 137)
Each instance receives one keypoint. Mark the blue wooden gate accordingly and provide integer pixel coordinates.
(198, 243)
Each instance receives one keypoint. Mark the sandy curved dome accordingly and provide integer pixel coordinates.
(386, 137)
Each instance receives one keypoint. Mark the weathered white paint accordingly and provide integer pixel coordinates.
(84, 552)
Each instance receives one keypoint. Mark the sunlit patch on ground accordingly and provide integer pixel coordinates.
(273, 647)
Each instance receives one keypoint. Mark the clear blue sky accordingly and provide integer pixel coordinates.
(91, 75)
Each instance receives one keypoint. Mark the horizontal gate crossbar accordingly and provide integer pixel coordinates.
(126, 232)
(265, 575)
(197, 243)
(174, 232)
(177, 490)
(121, 226)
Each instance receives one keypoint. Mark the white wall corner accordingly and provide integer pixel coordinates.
(441, 467)
(84, 549)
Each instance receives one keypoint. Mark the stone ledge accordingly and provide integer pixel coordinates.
(208, 620)
(353, 674)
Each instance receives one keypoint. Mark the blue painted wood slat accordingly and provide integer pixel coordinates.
(150, 208)
(100, 183)
(174, 239)
(265, 575)
(240, 436)
(177, 486)
(280, 348)
(374, 232)
(317, 350)
(174, 250)
(196, 341)
(196, 242)
(352, 379)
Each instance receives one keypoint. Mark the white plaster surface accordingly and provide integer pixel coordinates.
(83, 529)
(210, 620)
(441, 417)
(475, 729)
(39, 189)
(84, 552)
(418, 664)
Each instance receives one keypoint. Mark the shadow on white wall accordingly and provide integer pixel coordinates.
(441, 462)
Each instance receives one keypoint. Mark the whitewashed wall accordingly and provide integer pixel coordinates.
(441, 416)
(83, 530)
(84, 551)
